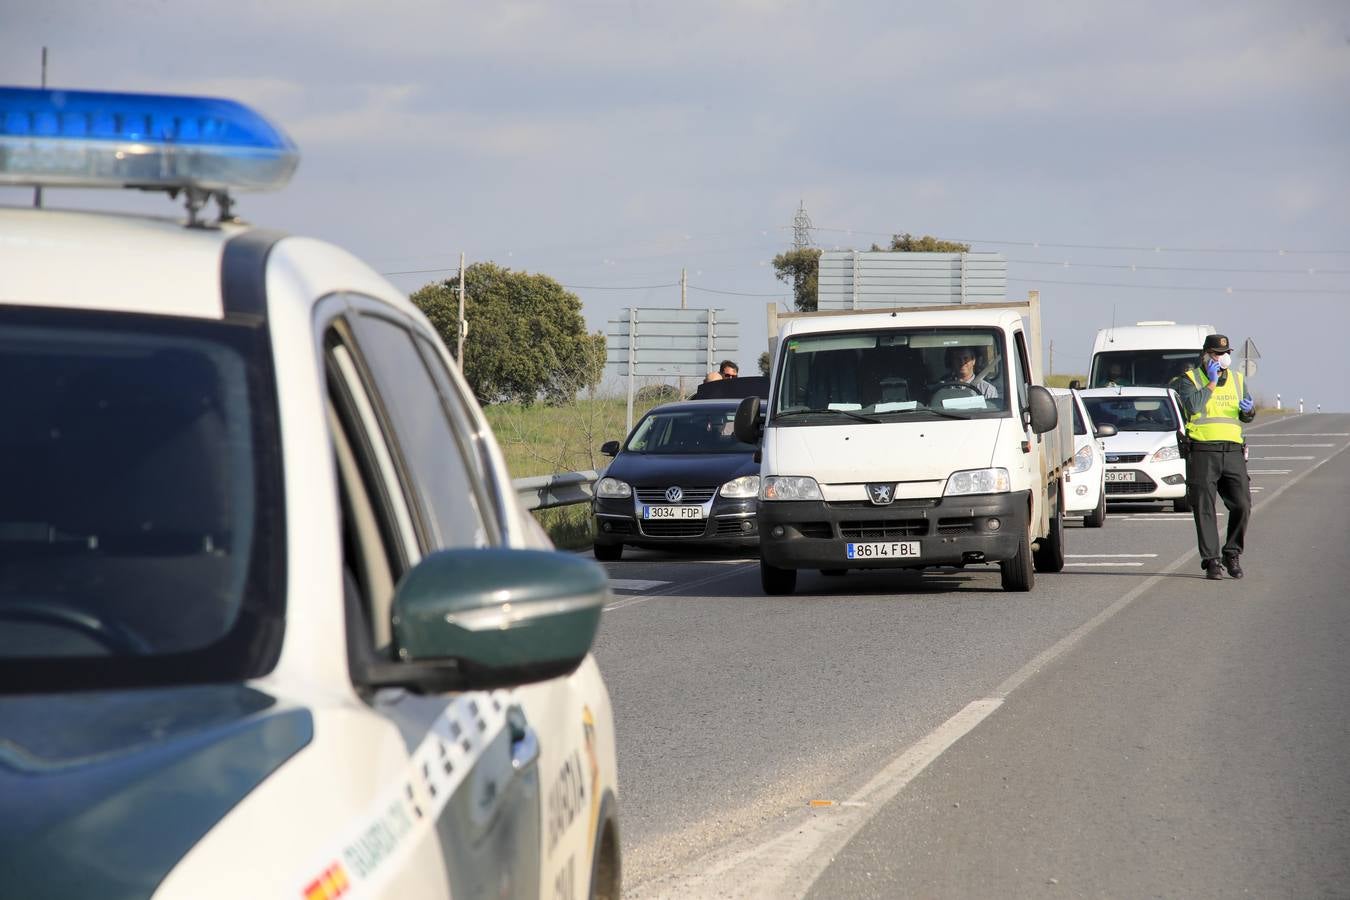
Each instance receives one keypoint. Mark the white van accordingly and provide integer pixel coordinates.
(909, 438)
(273, 621)
(1145, 354)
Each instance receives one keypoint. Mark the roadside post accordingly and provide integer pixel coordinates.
(667, 343)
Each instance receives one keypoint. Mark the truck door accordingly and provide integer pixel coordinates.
(1034, 462)
(471, 757)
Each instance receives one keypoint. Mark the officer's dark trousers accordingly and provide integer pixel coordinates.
(1217, 467)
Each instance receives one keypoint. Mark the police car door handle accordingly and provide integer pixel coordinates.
(524, 741)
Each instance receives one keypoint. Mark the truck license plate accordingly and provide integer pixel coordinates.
(672, 512)
(1120, 476)
(883, 550)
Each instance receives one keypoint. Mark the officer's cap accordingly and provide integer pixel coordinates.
(1217, 343)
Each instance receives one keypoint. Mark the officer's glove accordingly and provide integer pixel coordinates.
(1212, 368)
(1246, 404)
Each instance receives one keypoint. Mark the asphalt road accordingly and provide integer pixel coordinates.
(1126, 729)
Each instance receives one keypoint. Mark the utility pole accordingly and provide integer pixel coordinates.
(37, 191)
(801, 227)
(684, 294)
(1050, 366)
(463, 325)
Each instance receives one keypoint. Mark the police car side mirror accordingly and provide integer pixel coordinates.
(1041, 405)
(1104, 430)
(748, 427)
(610, 448)
(487, 618)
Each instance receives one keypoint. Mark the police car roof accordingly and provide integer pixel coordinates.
(144, 264)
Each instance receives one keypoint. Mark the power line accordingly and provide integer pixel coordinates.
(617, 287)
(1227, 289)
(736, 293)
(1069, 264)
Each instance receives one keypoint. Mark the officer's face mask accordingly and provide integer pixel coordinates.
(1224, 361)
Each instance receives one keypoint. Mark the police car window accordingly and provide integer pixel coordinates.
(143, 503)
(429, 444)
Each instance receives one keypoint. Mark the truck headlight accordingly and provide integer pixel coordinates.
(789, 487)
(740, 488)
(1166, 453)
(1082, 460)
(613, 488)
(978, 481)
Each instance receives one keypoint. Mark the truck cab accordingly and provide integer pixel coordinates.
(1145, 354)
(909, 438)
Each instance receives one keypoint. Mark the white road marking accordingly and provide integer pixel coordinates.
(1309, 434)
(1104, 564)
(1110, 555)
(675, 586)
(1263, 446)
(787, 864)
(634, 584)
(1268, 471)
(1265, 458)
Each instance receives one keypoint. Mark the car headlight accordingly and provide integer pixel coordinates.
(1082, 460)
(978, 481)
(740, 488)
(1166, 453)
(789, 487)
(613, 488)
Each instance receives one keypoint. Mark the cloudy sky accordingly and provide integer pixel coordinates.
(1139, 160)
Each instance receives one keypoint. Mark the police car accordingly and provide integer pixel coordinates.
(273, 622)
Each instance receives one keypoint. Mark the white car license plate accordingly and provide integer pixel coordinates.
(883, 550)
(1120, 476)
(672, 512)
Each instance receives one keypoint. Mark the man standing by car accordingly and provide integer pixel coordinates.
(1215, 403)
(728, 369)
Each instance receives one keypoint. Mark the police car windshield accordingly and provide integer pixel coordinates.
(141, 515)
(1133, 413)
(693, 431)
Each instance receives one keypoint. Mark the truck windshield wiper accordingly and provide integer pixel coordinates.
(825, 412)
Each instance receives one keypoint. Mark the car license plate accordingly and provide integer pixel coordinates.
(1120, 476)
(672, 512)
(883, 550)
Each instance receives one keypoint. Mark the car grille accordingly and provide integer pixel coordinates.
(1125, 457)
(883, 529)
(815, 530)
(692, 495)
(733, 526)
(1142, 485)
(675, 528)
(956, 526)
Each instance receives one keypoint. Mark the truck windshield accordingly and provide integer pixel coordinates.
(892, 373)
(141, 524)
(1140, 368)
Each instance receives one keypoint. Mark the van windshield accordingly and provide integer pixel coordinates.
(141, 524)
(892, 373)
(1140, 368)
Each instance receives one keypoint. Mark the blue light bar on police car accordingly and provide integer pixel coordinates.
(105, 139)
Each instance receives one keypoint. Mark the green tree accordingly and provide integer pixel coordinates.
(799, 268)
(527, 339)
(764, 363)
(908, 243)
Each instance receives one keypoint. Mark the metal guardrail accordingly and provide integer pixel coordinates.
(559, 489)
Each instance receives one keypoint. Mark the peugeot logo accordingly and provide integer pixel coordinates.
(674, 494)
(881, 494)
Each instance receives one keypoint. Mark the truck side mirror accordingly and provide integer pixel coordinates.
(1041, 405)
(748, 426)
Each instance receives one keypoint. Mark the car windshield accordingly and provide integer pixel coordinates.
(1140, 368)
(892, 373)
(687, 431)
(1133, 413)
(141, 513)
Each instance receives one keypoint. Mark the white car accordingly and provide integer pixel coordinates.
(1085, 480)
(273, 621)
(1142, 458)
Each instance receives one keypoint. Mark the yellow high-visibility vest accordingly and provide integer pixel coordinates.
(1219, 419)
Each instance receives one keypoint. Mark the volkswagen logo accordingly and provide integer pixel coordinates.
(674, 494)
(881, 494)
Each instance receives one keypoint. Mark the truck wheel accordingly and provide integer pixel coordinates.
(1181, 504)
(1017, 573)
(1096, 518)
(608, 552)
(1049, 556)
(777, 581)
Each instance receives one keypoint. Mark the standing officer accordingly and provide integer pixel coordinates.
(1216, 403)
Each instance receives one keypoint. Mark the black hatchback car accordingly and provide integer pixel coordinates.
(682, 478)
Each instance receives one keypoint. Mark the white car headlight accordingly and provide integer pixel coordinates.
(613, 488)
(1166, 453)
(789, 487)
(978, 481)
(740, 488)
(1082, 460)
